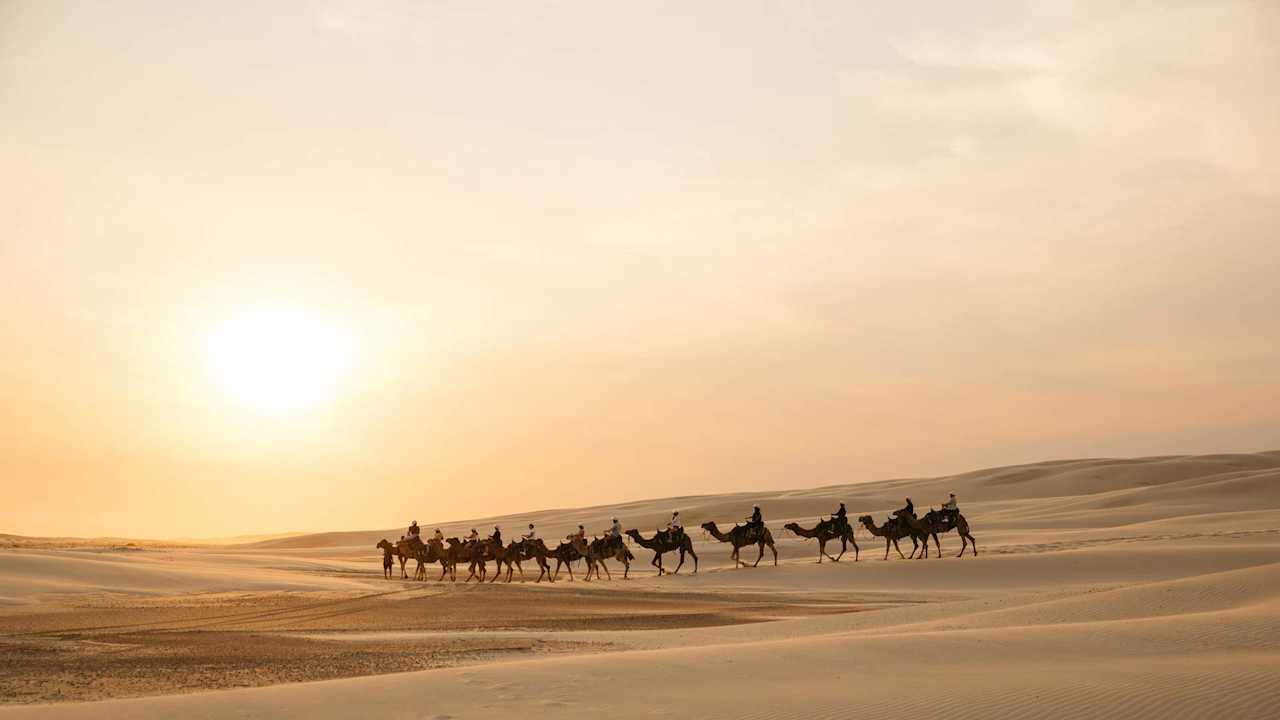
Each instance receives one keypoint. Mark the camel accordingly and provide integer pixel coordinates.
(922, 527)
(892, 531)
(424, 553)
(454, 551)
(566, 553)
(478, 553)
(404, 552)
(388, 552)
(408, 550)
(601, 549)
(662, 542)
(518, 550)
(741, 537)
(537, 551)
(826, 531)
(938, 523)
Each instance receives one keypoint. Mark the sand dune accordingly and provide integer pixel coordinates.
(1104, 588)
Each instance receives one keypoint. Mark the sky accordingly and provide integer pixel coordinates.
(301, 266)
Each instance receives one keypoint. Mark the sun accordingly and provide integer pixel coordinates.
(279, 360)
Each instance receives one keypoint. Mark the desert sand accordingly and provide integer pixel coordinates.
(1103, 588)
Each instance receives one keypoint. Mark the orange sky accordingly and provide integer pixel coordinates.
(586, 253)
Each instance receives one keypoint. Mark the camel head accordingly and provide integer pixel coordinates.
(866, 520)
(709, 526)
(793, 527)
(384, 545)
(632, 533)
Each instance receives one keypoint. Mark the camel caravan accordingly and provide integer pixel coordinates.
(476, 553)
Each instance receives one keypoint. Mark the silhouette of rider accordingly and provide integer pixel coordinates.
(838, 519)
(755, 521)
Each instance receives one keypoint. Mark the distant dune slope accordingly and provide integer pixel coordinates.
(1131, 490)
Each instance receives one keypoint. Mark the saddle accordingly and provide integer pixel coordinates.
(749, 533)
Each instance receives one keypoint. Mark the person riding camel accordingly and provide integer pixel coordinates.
(414, 529)
(580, 535)
(950, 508)
(675, 528)
(755, 520)
(531, 535)
(838, 519)
(496, 537)
(473, 537)
(615, 532)
(908, 509)
(438, 536)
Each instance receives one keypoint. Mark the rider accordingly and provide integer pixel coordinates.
(438, 536)
(909, 509)
(756, 520)
(950, 507)
(531, 535)
(473, 537)
(413, 529)
(675, 528)
(496, 537)
(838, 519)
(615, 531)
(581, 534)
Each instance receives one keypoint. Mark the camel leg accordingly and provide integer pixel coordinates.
(774, 549)
(681, 563)
(600, 564)
(657, 562)
(895, 547)
(844, 548)
(695, 561)
(937, 545)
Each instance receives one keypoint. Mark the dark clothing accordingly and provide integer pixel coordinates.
(910, 509)
(496, 537)
(838, 520)
(755, 518)
(413, 530)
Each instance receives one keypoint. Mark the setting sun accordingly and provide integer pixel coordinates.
(279, 360)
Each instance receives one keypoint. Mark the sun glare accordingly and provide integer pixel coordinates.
(279, 360)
